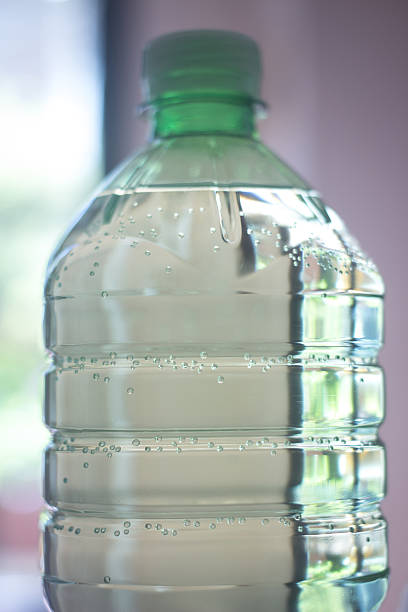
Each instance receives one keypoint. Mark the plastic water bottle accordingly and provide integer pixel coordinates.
(215, 395)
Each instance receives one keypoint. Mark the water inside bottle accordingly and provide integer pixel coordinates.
(214, 402)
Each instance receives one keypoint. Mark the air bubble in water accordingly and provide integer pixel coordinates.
(130, 390)
(220, 380)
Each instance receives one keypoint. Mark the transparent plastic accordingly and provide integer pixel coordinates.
(215, 396)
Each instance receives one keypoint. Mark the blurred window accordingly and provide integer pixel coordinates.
(51, 95)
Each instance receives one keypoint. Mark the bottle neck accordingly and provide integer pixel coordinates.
(234, 118)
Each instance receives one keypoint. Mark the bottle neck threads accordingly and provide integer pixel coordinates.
(233, 117)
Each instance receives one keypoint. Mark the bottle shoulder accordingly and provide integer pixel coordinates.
(206, 160)
(184, 200)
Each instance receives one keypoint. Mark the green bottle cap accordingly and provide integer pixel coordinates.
(201, 64)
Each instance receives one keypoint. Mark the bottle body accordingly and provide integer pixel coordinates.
(215, 397)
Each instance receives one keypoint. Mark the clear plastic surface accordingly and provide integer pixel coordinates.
(215, 395)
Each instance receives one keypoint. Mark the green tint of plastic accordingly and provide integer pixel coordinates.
(204, 117)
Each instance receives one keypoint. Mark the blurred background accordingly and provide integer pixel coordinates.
(336, 80)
